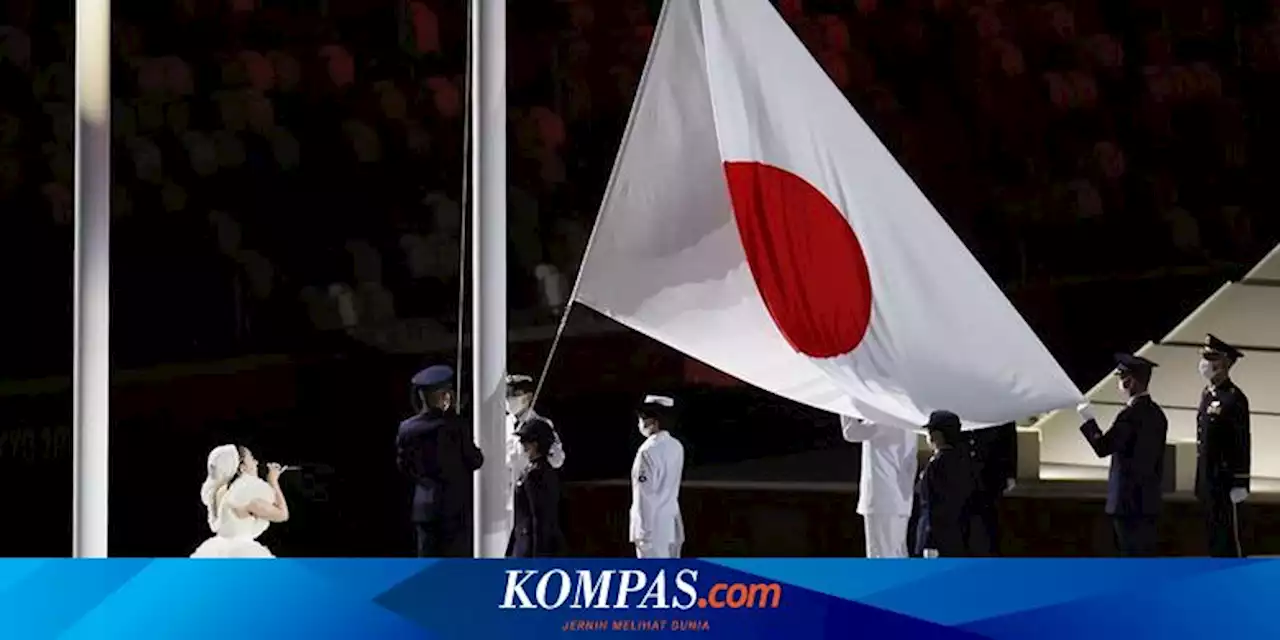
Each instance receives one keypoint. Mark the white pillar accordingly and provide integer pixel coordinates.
(91, 382)
(489, 268)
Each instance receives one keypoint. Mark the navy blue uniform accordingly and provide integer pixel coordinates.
(994, 451)
(1222, 463)
(536, 532)
(1135, 495)
(434, 449)
(943, 493)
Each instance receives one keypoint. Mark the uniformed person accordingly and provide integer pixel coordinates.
(994, 452)
(885, 485)
(944, 490)
(536, 532)
(434, 449)
(1135, 443)
(657, 530)
(520, 411)
(1222, 448)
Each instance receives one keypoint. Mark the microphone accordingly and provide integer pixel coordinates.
(290, 467)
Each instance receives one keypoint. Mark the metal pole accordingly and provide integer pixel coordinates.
(91, 373)
(489, 269)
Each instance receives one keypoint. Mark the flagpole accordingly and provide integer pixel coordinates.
(91, 360)
(489, 270)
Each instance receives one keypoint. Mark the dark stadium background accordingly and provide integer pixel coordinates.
(1110, 162)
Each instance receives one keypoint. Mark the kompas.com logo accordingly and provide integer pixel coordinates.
(631, 589)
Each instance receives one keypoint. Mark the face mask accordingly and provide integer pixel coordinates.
(1207, 370)
(645, 430)
(517, 405)
(1124, 388)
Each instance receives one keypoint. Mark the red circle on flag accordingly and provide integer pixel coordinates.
(805, 258)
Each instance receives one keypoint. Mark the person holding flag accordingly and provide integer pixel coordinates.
(1135, 443)
(994, 451)
(886, 484)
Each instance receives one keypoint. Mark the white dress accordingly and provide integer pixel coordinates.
(236, 537)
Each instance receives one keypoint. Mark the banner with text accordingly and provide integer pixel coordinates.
(747, 598)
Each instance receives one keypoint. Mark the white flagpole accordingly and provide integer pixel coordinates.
(489, 269)
(91, 386)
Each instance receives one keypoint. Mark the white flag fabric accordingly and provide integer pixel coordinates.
(754, 222)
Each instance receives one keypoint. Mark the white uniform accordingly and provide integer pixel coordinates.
(886, 488)
(517, 460)
(657, 529)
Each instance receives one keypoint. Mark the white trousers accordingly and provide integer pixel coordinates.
(886, 535)
(658, 550)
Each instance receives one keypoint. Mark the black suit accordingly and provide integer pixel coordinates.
(1222, 463)
(943, 494)
(1135, 494)
(435, 450)
(994, 452)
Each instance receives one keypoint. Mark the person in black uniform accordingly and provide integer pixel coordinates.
(1135, 443)
(944, 491)
(536, 532)
(435, 451)
(1222, 448)
(994, 452)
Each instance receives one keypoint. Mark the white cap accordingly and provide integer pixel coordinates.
(662, 401)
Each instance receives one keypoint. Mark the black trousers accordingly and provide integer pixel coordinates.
(1136, 536)
(983, 533)
(442, 538)
(1222, 524)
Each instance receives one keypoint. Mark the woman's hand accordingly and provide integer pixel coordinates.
(273, 472)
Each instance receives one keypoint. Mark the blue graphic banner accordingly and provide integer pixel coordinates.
(758, 598)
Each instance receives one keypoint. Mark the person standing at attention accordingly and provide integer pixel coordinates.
(1223, 448)
(657, 529)
(944, 491)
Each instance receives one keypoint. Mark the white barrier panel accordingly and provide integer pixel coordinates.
(1268, 269)
(1243, 315)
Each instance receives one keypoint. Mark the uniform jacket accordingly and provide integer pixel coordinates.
(536, 532)
(944, 491)
(886, 483)
(995, 455)
(655, 491)
(1222, 441)
(517, 461)
(435, 451)
(1135, 443)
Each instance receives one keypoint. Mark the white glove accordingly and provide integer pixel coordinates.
(1238, 495)
(1009, 485)
(930, 553)
(1086, 411)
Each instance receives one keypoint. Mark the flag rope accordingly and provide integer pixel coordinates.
(463, 208)
(613, 176)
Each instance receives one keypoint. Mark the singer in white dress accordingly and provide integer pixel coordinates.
(240, 504)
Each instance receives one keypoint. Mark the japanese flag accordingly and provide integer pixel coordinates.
(755, 223)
